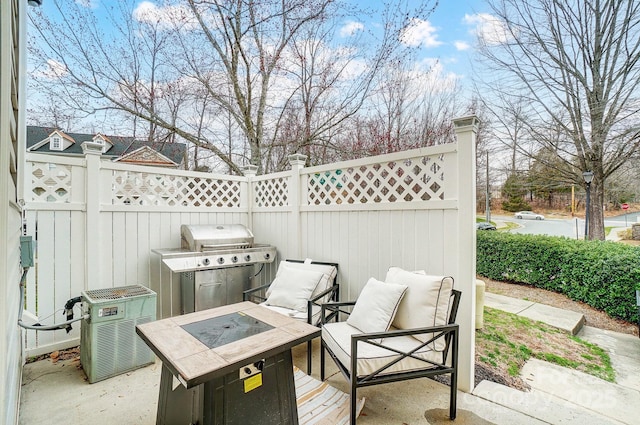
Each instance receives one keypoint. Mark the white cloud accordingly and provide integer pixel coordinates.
(488, 28)
(350, 28)
(431, 72)
(440, 81)
(420, 33)
(164, 16)
(54, 70)
(91, 4)
(461, 45)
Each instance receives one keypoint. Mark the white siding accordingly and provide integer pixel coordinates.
(12, 30)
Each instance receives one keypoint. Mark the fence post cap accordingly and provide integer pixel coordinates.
(249, 170)
(91, 148)
(297, 159)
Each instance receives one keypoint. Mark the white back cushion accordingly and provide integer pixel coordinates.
(329, 274)
(376, 306)
(293, 289)
(426, 302)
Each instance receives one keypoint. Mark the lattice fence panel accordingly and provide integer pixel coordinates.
(272, 193)
(408, 180)
(136, 188)
(51, 182)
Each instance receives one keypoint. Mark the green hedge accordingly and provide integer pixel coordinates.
(602, 274)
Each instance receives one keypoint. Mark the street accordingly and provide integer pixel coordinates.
(567, 227)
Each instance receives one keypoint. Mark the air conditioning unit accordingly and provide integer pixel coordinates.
(109, 344)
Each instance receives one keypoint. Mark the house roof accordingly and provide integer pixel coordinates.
(65, 135)
(122, 146)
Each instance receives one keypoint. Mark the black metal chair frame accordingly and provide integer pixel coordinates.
(257, 295)
(431, 369)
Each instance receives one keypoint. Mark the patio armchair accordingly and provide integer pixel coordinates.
(403, 328)
(299, 290)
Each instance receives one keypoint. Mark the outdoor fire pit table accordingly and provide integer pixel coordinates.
(227, 365)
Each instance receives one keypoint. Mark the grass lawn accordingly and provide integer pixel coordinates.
(507, 341)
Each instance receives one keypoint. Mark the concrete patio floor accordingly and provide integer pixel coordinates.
(58, 393)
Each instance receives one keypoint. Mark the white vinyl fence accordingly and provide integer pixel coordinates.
(96, 222)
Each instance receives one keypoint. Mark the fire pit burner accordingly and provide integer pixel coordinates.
(221, 330)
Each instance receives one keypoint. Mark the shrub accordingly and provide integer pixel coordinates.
(513, 193)
(599, 273)
(515, 204)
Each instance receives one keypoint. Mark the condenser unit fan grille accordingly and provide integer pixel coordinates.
(117, 293)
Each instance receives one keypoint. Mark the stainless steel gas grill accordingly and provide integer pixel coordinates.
(215, 264)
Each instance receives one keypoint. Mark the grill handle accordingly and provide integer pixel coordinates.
(206, 285)
(216, 247)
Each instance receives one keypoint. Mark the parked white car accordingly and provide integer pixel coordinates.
(528, 215)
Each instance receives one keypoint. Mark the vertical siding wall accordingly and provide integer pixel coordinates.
(96, 222)
(12, 30)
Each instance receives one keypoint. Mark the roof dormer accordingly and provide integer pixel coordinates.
(146, 155)
(59, 141)
(104, 141)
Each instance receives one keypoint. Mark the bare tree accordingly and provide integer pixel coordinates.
(487, 173)
(121, 76)
(325, 93)
(410, 107)
(575, 62)
(331, 84)
(241, 53)
(48, 113)
(510, 131)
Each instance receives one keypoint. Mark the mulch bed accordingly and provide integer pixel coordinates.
(56, 356)
(595, 318)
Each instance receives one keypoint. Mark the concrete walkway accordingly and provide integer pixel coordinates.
(566, 320)
(560, 395)
(614, 234)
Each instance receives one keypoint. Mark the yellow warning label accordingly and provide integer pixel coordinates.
(252, 382)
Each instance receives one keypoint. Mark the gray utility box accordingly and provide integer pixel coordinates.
(109, 344)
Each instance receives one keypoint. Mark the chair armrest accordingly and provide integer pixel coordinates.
(333, 304)
(332, 295)
(444, 329)
(335, 308)
(251, 294)
(450, 333)
(332, 290)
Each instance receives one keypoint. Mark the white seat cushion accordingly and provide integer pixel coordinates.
(315, 316)
(337, 337)
(426, 302)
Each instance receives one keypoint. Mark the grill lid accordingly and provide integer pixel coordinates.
(207, 237)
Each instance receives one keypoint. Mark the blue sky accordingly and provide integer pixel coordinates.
(456, 22)
(449, 35)
(445, 42)
(456, 25)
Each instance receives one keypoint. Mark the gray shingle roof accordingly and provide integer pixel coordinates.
(121, 145)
